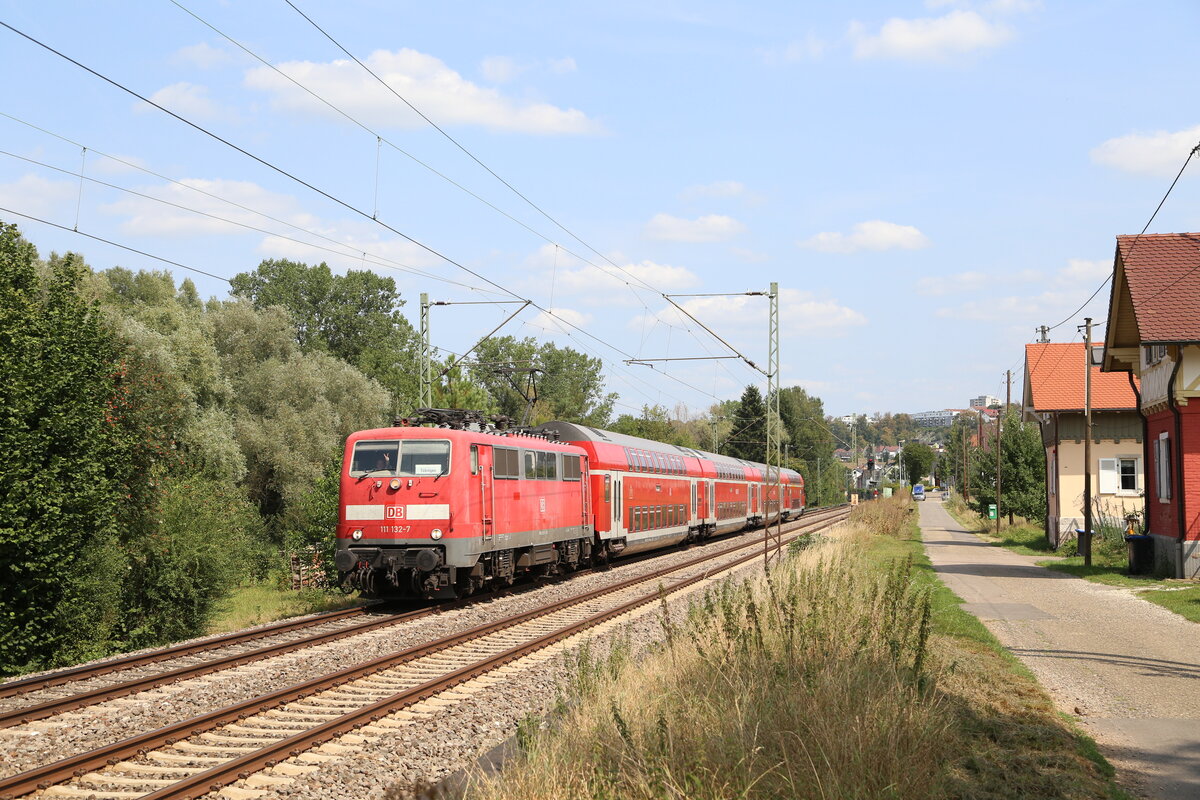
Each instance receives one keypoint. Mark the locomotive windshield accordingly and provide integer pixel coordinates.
(414, 458)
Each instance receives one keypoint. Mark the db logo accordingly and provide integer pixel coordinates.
(394, 512)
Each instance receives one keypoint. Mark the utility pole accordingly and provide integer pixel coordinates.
(1085, 539)
(999, 418)
(1007, 403)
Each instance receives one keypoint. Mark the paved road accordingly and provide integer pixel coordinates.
(1128, 670)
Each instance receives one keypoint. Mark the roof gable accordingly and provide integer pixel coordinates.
(1054, 375)
(1156, 290)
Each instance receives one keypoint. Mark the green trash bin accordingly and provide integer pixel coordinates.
(991, 510)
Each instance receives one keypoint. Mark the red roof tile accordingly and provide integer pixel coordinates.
(1056, 380)
(1163, 273)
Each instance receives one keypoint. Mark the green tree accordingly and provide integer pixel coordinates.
(62, 482)
(1022, 469)
(917, 459)
(748, 439)
(355, 317)
(655, 423)
(569, 384)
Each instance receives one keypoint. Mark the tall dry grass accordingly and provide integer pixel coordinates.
(816, 683)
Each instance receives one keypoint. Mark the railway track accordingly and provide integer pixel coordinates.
(341, 624)
(277, 731)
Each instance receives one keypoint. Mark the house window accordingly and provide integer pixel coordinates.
(1155, 353)
(1162, 467)
(1119, 475)
(1127, 473)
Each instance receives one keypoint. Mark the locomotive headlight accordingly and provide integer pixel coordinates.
(436, 533)
(395, 484)
(356, 535)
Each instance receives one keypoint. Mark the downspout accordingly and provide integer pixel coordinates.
(1177, 461)
(1137, 396)
(1057, 485)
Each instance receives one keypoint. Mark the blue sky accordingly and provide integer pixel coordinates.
(927, 182)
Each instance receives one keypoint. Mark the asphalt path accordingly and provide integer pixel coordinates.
(1127, 670)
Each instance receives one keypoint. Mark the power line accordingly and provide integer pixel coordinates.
(355, 254)
(490, 171)
(254, 157)
(323, 193)
(112, 243)
(1137, 238)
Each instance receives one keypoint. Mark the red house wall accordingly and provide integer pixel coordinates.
(1164, 517)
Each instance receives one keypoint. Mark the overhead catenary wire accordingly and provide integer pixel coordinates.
(375, 260)
(502, 180)
(113, 244)
(333, 198)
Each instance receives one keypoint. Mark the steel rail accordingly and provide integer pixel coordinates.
(86, 671)
(73, 766)
(49, 708)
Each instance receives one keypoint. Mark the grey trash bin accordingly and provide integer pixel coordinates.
(1140, 548)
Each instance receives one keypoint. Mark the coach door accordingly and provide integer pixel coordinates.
(481, 458)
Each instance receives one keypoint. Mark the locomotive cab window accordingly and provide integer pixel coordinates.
(424, 458)
(374, 458)
(410, 459)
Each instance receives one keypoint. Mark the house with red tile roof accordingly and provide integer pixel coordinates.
(1055, 398)
(1154, 333)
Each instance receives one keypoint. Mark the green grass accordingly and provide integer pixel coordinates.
(260, 603)
(1006, 742)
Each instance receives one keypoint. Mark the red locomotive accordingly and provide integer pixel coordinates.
(443, 511)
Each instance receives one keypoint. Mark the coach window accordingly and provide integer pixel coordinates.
(607, 487)
(474, 459)
(424, 458)
(547, 466)
(659, 517)
(571, 472)
(530, 461)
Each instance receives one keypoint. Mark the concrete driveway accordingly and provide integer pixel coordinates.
(1126, 669)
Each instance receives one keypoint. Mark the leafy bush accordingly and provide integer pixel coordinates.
(205, 543)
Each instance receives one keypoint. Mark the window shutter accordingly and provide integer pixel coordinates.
(1109, 480)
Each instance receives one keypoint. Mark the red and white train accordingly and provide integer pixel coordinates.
(443, 511)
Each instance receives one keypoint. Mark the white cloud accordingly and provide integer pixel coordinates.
(714, 189)
(1014, 6)
(561, 66)
(202, 55)
(560, 320)
(189, 100)
(799, 312)
(146, 217)
(709, 228)
(872, 235)
(1158, 153)
(954, 284)
(439, 91)
(603, 285)
(750, 256)
(1055, 293)
(34, 195)
(929, 39)
(500, 69)
(810, 48)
